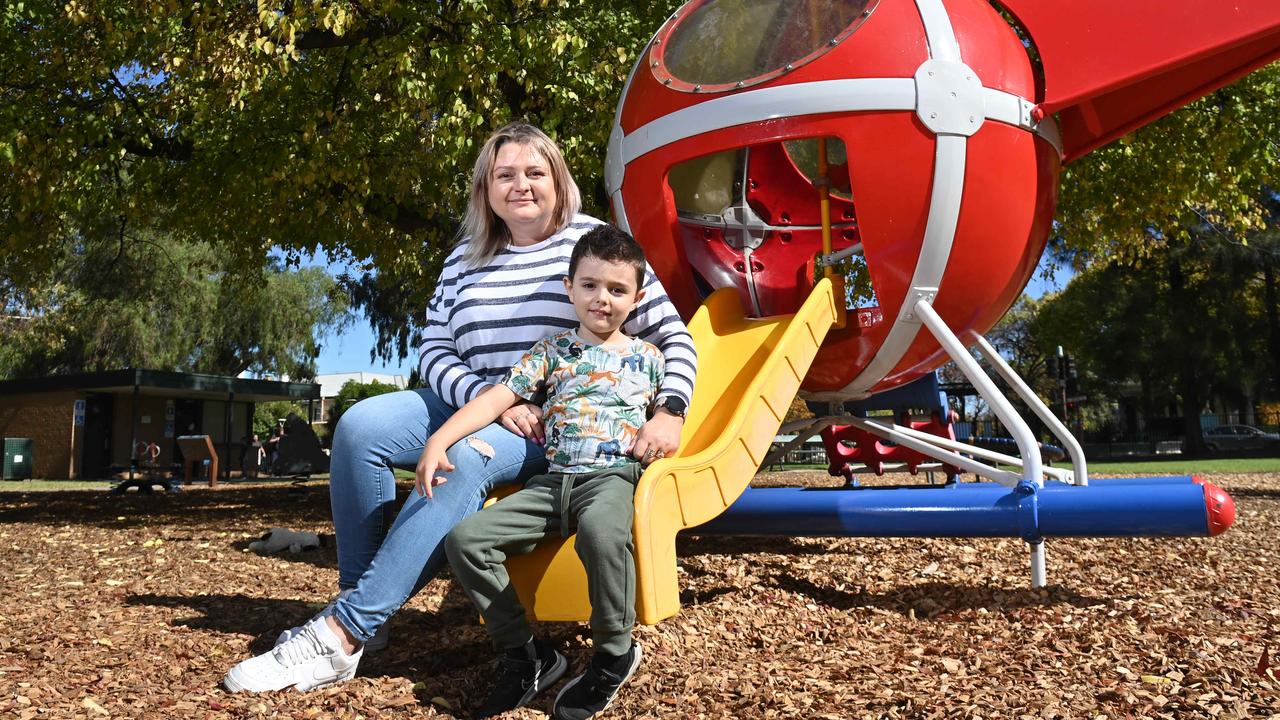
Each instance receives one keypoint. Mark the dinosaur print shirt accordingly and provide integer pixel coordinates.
(597, 397)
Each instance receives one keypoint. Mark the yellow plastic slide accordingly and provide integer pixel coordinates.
(748, 373)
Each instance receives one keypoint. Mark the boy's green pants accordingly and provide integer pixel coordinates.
(599, 505)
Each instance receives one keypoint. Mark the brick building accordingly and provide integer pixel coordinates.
(82, 425)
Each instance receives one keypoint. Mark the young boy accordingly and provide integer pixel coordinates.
(599, 384)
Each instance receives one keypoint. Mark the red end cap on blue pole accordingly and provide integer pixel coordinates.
(1218, 504)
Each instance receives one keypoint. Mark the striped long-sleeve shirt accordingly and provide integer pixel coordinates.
(481, 320)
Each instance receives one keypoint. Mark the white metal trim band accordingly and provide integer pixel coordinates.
(938, 30)
(614, 166)
(1007, 108)
(813, 98)
(940, 229)
(1011, 109)
(620, 211)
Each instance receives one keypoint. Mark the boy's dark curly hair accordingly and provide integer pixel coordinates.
(611, 244)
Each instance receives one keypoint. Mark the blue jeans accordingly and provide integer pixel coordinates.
(389, 431)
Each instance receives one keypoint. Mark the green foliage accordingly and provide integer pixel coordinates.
(351, 393)
(1184, 324)
(268, 414)
(154, 302)
(1208, 162)
(338, 125)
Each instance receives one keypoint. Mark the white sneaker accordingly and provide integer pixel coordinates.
(312, 658)
(379, 641)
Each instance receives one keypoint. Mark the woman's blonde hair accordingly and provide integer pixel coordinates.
(482, 229)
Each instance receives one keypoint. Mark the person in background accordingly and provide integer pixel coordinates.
(252, 455)
(272, 448)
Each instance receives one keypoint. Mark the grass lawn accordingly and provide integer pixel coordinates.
(1186, 466)
(1096, 469)
(47, 485)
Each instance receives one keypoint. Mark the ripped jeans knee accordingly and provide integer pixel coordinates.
(482, 448)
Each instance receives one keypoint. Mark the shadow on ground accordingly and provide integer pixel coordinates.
(448, 642)
(275, 505)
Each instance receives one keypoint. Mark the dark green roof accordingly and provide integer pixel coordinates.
(164, 382)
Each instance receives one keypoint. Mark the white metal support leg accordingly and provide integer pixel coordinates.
(1028, 447)
(896, 434)
(1060, 431)
(804, 430)
(1038, 574)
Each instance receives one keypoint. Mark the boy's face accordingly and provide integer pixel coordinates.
(603, 293)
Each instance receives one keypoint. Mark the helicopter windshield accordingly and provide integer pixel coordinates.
(726, 44)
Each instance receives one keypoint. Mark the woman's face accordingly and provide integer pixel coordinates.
(523, 193)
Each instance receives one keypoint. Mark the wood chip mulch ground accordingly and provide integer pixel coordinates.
(135, 606)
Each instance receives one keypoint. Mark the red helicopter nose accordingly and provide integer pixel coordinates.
(942, 185)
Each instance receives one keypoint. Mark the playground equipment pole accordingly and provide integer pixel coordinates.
(1177, 507)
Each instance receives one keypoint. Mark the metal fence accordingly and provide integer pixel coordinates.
(1152, 437)
(808, 453)
(1161, 436)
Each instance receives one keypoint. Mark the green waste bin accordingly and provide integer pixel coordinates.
(17, 458)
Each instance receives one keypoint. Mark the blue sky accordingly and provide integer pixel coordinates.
(1038, 286)
(349, 352)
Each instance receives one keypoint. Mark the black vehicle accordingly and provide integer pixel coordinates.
(1239, 437)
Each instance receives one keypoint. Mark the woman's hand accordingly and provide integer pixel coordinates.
(525, 420)
(433, 460)
(658, 438)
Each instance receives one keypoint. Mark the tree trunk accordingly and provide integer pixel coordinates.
(1192, 402)
(1273, 324)
(1187, 365)
(1148, 408)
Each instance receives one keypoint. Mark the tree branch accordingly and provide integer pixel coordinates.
(156, 145)
(399, 216)
(318, 39)
(162, 147)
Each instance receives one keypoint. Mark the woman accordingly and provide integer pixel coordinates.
(500, 291)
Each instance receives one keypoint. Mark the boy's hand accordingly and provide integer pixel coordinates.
(525, 420)
(658, 438)
(433, 460)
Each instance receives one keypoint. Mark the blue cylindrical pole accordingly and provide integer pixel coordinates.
(980, 510)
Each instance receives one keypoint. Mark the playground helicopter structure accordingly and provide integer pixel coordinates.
(841, 196)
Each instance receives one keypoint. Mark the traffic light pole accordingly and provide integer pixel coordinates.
(1062, 385)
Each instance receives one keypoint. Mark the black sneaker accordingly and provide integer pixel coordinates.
(526, 671)
(593, 691)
